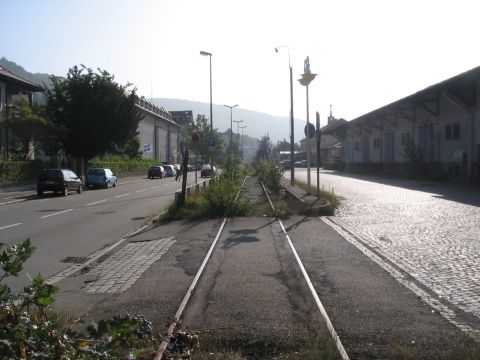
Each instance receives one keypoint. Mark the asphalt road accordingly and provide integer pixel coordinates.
(79, 224)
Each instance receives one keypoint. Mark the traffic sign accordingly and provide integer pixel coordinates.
(211, 142)
(195, 138)
(309, 130)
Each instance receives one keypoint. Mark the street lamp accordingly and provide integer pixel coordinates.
(292, 140)
(307, 78)
(242, 127)
(204, 53)
(231, 124)
(238, 130)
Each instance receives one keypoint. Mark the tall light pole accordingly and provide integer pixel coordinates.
(242, 127)
(204, 53)
(292, 139)
(231, 124)
(238, 130)
(307, 78)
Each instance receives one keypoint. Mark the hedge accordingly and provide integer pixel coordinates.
(15, 172)
(12, 172)
(119, 167)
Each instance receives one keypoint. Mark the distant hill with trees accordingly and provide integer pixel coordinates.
(258, 124)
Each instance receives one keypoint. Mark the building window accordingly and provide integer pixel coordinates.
(456, 131)
(452, 132)
(405, 138)
(376, 143)
(356, 146)
(365, 149)
(389, 146)
(448, 132)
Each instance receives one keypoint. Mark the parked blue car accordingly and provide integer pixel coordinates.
(100, 177)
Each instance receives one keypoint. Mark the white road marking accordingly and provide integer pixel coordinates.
(12, 202)
(154, 187)
(131, 182)
(9, 226)
(97, 202)
(11, 197)
(57, 213)
(139, 191)
(119, 196)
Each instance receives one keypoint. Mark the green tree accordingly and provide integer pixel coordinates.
(93, 114)
(201, 126)
(264, 149)
(28, 127)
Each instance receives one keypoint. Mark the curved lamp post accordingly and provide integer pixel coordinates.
(292, 139)
(307, 78)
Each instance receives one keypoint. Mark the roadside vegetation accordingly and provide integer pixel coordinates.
(327, 194)
(270, 175)
(316, 344)
(30, 329)
(217, 200)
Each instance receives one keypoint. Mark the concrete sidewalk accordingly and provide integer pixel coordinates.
(375, 316)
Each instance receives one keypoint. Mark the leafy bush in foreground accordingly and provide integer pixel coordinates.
(29, 329)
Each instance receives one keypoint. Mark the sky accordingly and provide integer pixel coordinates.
(365, 53)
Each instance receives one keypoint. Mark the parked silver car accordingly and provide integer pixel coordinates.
(170, 170)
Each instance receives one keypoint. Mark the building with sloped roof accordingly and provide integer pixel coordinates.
(441, 122)
(11, 85)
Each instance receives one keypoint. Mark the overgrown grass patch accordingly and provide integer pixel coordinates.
(317, 345)
(270, 175)
(217, 200)
(327, 194)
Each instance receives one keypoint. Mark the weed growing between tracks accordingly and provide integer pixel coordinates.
(328, 195)
(217, 200)
(315, 345)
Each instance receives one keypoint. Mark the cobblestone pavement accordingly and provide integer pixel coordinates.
(429, 231)
(121, 270)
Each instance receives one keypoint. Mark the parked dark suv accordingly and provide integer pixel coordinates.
(59, 181)
(208, 170)
(156, 171)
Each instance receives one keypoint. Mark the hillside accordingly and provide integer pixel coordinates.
(258, 124)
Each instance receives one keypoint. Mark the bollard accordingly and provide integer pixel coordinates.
(177, 199)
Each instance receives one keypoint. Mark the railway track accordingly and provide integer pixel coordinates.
(229, 235)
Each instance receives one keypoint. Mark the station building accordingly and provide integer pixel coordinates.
(442, 121)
